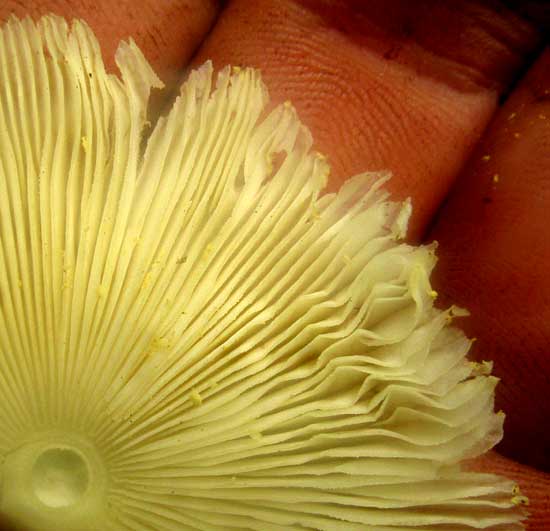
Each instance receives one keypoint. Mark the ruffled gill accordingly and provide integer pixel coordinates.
(192, 337)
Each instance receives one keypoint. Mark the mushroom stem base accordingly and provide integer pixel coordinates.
(52, 480)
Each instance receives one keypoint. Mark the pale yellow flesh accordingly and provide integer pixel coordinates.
(192, 337)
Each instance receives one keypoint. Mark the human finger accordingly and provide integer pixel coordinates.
(166, 32)
(393, 85)
(494, 259)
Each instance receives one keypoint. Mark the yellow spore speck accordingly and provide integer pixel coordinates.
(160, 344)
(287, 104)
(520, 500)
(85, 144)
(433, 294)
(195, 397)
(495, 178)
(208, 250)
(512, 116)
(68, 278)
(516, 135)
(146, 281)
(481, 369)
(486, 158)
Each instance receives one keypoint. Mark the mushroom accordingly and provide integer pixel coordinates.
(193, 336)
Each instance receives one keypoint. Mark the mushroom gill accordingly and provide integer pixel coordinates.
(193, 337)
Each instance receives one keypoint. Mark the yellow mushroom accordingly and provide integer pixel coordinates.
(253, 379)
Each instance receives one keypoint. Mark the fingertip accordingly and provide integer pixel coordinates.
(168, 33)
(494, 259)
(381, 85)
